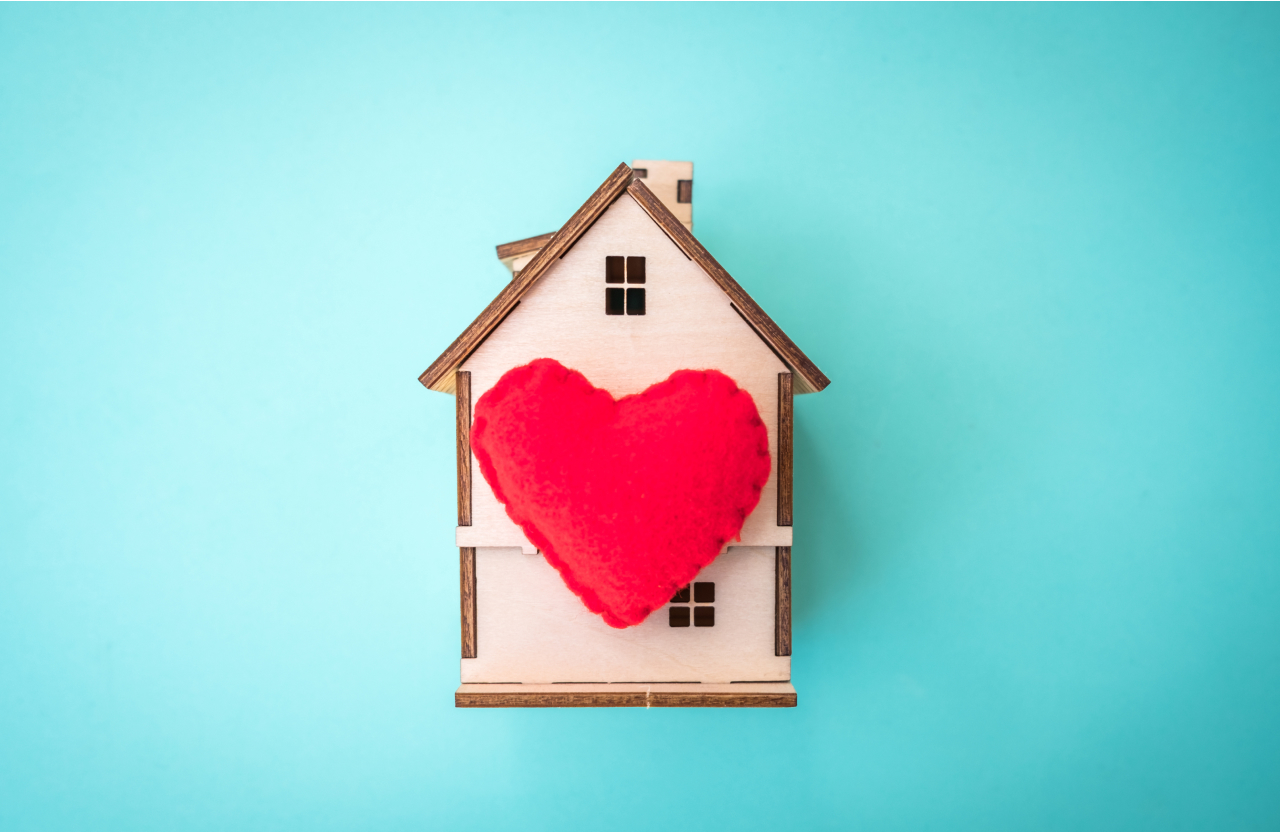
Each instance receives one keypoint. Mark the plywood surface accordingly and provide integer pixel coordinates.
(536, 631)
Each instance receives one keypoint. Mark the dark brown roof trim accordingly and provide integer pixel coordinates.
(440, 375)
(810, 377)
(524, 246)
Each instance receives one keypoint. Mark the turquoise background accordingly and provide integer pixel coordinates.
(1038, 515)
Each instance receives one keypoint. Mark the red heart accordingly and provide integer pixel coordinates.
(628, 499)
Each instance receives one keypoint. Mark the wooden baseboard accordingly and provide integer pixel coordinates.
(741, 695)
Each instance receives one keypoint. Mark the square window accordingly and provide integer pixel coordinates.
(684, 190)
(703, 616)
(635, 301)
(613, 300)
(679, 616)
(682, 597)
(635, 270)
(704, 592)
(613, 269)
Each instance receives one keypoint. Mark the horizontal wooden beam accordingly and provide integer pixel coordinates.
(744, 695)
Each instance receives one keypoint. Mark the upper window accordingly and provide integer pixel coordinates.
(630, 300)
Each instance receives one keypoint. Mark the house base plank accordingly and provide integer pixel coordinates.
(741, 695)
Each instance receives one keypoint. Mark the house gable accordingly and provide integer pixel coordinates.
(441, 374)
(688, 321)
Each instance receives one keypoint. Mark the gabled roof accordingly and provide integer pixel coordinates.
(440, 375)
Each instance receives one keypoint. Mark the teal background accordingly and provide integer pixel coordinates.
(1035, 248)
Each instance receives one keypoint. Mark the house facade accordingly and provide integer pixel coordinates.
(625, 295)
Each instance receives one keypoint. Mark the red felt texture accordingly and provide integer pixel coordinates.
(630, 498)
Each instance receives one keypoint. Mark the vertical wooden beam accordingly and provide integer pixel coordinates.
(467, 556)
(782, 602)
(785, 421)
(462, 390)
(467, 569)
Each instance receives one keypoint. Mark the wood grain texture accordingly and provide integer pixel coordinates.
(758, 695)
(782, 610)
(467, 576)
(689, 323)
(518, 247)
(810, 377)
(440, 375)
(785, 426)
(462, 389)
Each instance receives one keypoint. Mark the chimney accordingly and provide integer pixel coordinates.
(671, 182)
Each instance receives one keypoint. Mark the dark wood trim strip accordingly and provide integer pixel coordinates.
(772, 349)
(811, 378)
(549, 700)
(467, 574)
(440, 375)
(785, 427)
(722, 700)
(628, 699)
(782, 602)
(528, 244)
(462, 390)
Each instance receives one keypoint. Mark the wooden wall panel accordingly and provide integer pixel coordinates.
(536, 631)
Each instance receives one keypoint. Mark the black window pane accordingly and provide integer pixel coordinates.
(635, 301)
(613, 269)
(682, 597)
(684, 190)
(613, 300)
(704, 592)
(679, 616)
(703, 616)
(635, 270)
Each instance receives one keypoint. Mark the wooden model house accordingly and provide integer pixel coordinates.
(626, 295)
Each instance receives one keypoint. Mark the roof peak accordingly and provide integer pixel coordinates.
(441, 374)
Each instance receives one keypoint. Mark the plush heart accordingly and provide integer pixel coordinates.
(628, 499)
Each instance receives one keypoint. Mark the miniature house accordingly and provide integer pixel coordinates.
(624, 294)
